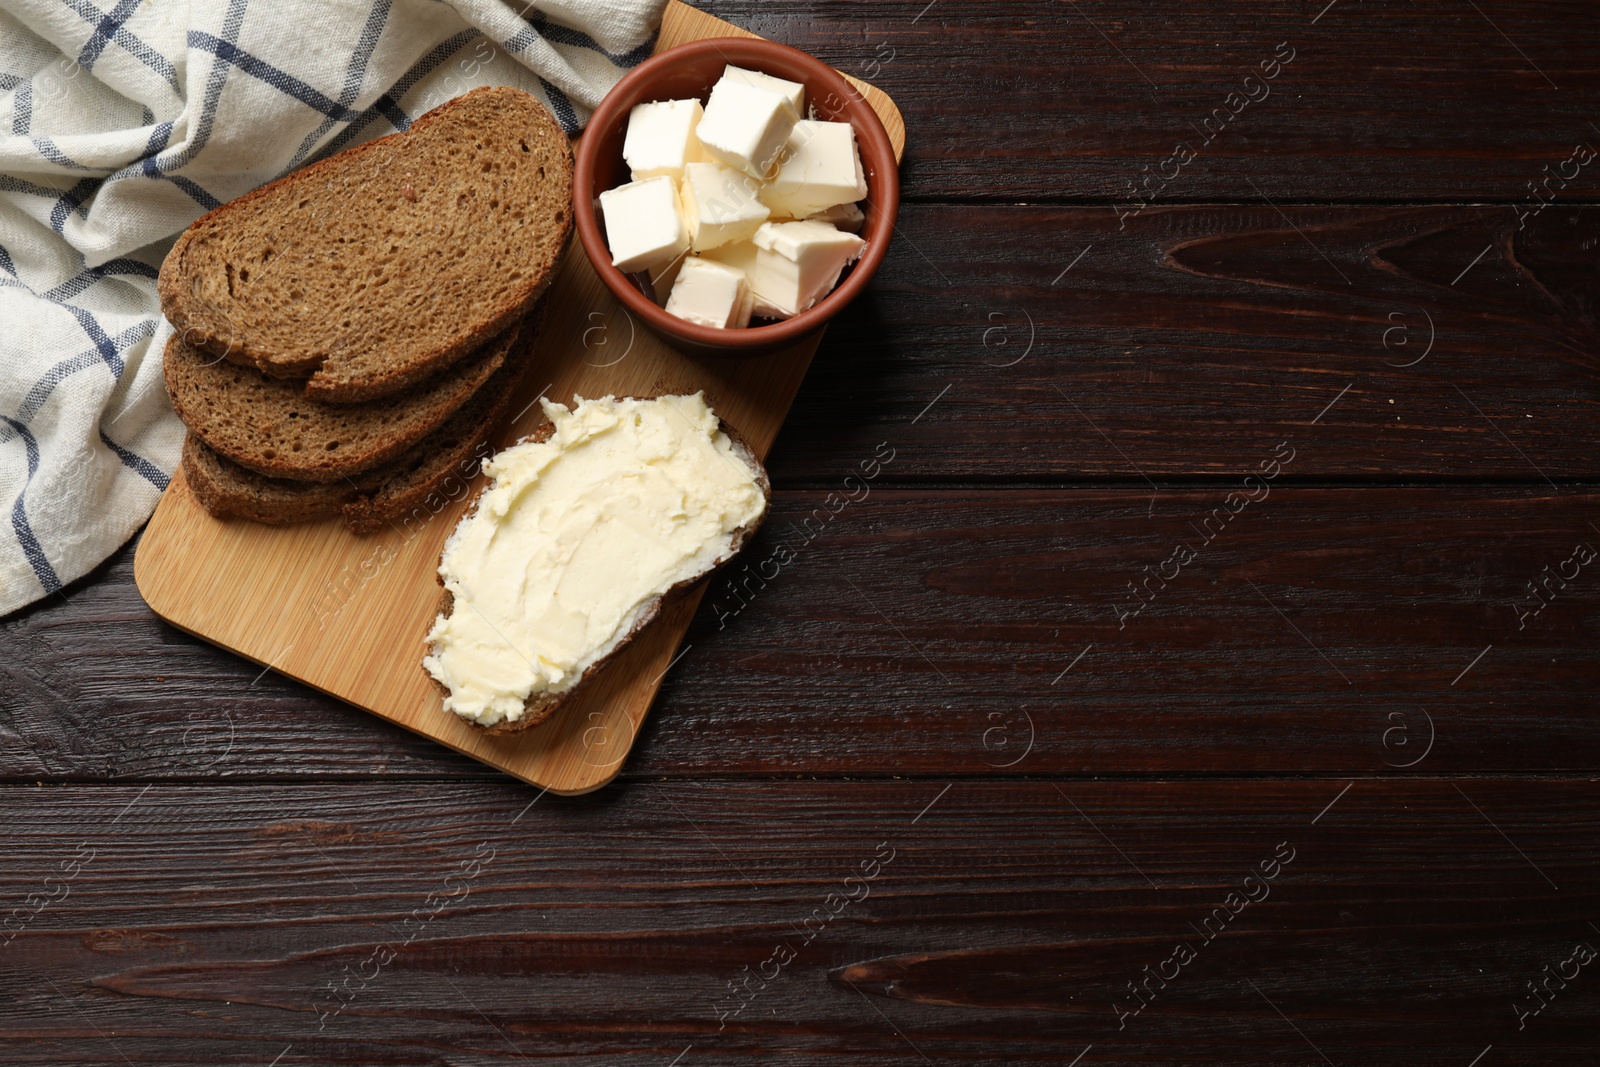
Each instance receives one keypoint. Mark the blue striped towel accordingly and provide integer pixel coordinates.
(122, 121)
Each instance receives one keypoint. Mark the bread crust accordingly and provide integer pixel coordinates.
(202, 390)
(207, 325)
(364, 499)
(540, 709)
(314, 501)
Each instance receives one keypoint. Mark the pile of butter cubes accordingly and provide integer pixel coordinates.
(739, 208)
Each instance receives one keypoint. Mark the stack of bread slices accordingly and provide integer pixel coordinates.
(347, 337)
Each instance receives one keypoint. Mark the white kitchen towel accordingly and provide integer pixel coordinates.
(122, 121)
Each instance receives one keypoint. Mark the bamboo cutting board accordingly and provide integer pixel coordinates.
(348, 614)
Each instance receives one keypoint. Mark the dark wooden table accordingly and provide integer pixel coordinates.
(1209, 675)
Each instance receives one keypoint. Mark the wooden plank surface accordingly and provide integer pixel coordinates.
(1000, 923)
(1028, 100)
(284, 835)
(349, 615)
(927, 632)
(987, 349)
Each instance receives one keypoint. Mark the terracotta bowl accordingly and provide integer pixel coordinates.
(690, 70)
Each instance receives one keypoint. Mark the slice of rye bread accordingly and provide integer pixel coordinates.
(538, 709)
(378, 267)
(405, 489)
(268, 425)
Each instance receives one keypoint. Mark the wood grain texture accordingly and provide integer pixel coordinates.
(1177, 346)
(1270, 695)
(348, 614)
(1029, 100)
(1001, 922)
(926, 632)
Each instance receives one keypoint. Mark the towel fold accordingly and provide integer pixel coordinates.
(121, 122)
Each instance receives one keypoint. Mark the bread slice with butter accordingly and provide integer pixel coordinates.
(585, 531)
(377, 268)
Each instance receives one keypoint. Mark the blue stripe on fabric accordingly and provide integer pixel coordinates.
(157, 167)
(83, 279)
(160, 137)
(70, 201)
(567, 35)
(8, 184)
(562, 107)
(390, 110)
(403, 85)
(216, 78)
(154, 166)
(127, 41)
(9, 82)
(83, 360)
(150, 167)
(354, 75)
(519, 41)
(19, 514)
(89, 275)
(48, 149)
(103, 32)
(53, 377)
(103, 344)
(263, 71)
(201, 197)
(67, 201)
(22, 109)
(143, 467)
(16, 184)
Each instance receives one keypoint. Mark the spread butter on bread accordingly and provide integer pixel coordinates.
(580, 537)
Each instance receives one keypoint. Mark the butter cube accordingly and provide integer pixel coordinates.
(818, 169)
(720, 205)
(846, 217)
(794, 91)
(663, 275)
(746, 127)
(644, 224)
(791, 265)
(661, 138)
(743, 256)
(710, 294)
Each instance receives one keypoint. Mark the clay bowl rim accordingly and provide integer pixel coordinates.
(881, 205)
